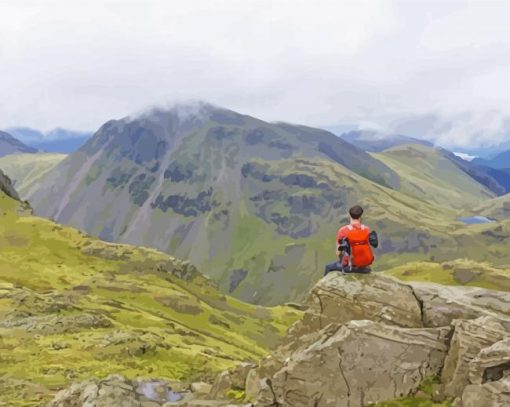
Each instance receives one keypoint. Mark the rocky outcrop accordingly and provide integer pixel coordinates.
(470, 338)
(370, 297)
(116, 390)
(8, 189)
(369, 338)
(442, 304)
(489, 376)
(6, 186)
(492, 394)
(55, 324)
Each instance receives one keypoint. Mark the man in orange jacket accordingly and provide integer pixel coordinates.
(353, 246)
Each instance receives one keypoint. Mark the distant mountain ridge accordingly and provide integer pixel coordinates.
(11, 145)
(499, 162)
(373, 141)
(197, 180)
(495, 179)
(253, 204)
(58, 140)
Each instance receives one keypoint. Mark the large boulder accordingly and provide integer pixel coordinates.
(489, 377)
(491, 394)
(359, 363)
(442, 304)
(367, 338)
(340, 298)
(468, 341)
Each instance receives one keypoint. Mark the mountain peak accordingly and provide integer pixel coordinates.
(11, 145)
(375, 141)
(183, 110)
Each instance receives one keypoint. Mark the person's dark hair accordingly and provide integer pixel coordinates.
(356, 211)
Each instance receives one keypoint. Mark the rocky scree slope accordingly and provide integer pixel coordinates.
(367, 339)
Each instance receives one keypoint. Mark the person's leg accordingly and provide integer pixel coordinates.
(336, 266)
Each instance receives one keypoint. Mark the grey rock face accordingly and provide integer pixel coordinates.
(443, 304)
(342, 298)
(469, 339)
(361, 363)
(489, 377)
(493, 394)
(6, 186)
(369, 338)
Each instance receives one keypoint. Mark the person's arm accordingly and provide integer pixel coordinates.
(373, 239)
(340, 235)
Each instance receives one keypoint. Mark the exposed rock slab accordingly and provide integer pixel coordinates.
(360, 363)
(491, 394)
(339, 298)
(469, 339)
(443, 304)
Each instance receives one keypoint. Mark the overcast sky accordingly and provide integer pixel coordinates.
(431, 69)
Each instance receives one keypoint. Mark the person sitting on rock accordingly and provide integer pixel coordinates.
(353, 246)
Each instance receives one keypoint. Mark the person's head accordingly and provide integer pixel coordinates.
(355, 212)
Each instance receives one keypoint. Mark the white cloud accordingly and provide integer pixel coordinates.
(440, 68)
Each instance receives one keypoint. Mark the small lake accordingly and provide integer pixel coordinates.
(474, 220)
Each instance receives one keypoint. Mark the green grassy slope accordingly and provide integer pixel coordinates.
(26, 170)
(72, 307)
(410, 229)
(288, 219)
(426, 173)
(457, 272)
